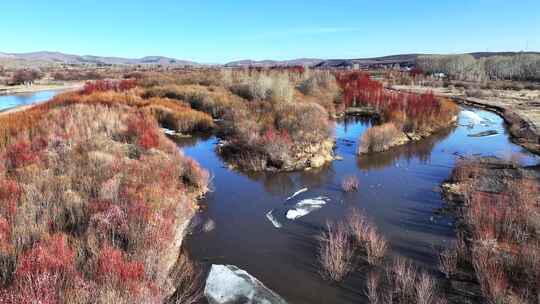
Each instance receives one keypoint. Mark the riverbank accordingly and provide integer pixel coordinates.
(23, 89)
(112, 177)
(495, 204)
(521, 111)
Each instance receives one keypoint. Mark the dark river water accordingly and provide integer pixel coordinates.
(398, 191)
(10, 101)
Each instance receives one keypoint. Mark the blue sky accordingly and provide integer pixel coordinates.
(220, 31)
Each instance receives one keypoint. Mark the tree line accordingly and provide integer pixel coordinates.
(465, 67)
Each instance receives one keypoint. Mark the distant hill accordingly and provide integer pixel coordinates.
(402, 60)
(53, 58)
(40, 59)
(268, 63)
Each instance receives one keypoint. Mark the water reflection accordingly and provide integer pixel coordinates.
(420, 150)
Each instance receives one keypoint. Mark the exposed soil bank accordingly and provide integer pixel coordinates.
(496, 174)
(304, 157)
(522, 116)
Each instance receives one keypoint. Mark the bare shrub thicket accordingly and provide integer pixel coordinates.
(341, 240)
(466, 67)
(261, 126)
(350, 183)
(366, 236)
(189, 281)
(272, 86)
(373, 288)
(335, 251)
(379, 138)
(318, 81)
(402, 283)
(448, 261)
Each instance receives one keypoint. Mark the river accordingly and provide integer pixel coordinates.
(15, 100)
(399, 191)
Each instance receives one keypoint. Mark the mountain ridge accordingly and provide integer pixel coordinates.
(47, 58)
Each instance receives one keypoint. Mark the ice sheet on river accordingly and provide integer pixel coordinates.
(305, 207)
(475, 119)
(228, 284)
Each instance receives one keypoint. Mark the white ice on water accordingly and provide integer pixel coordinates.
(227, 284)
(305, 207)
(273, 220)
(474, 118)
(297, 193)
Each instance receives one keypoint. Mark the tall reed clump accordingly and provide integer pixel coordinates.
(350, 184)
(380, 138)
(92, 200)
(335, 252)
(401, 282)
(502, 227)
(340, 241)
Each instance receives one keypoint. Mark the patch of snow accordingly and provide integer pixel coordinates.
(228, 284)
(297, 193)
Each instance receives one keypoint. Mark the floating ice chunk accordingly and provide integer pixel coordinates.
(474, 118)
(209, 225)
(168, 131)
(228, 284)
(273, 220)
(306, 206)
(297, 193)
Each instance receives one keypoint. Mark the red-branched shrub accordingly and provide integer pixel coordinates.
(20, 154)
(5, 234)
(144, 131)
(416, 72)
(9, 197)
(42, 272)
(50, 256)
(358, 87)
(420, 110)
(114, 268)
(108, 85)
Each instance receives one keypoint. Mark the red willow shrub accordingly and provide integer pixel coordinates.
(116, 270)
(42, 271)
(501, 223)
(144, 130)
(105, 233)
(20, 154)
(109, 85)
(10, 193)
(410, 110)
